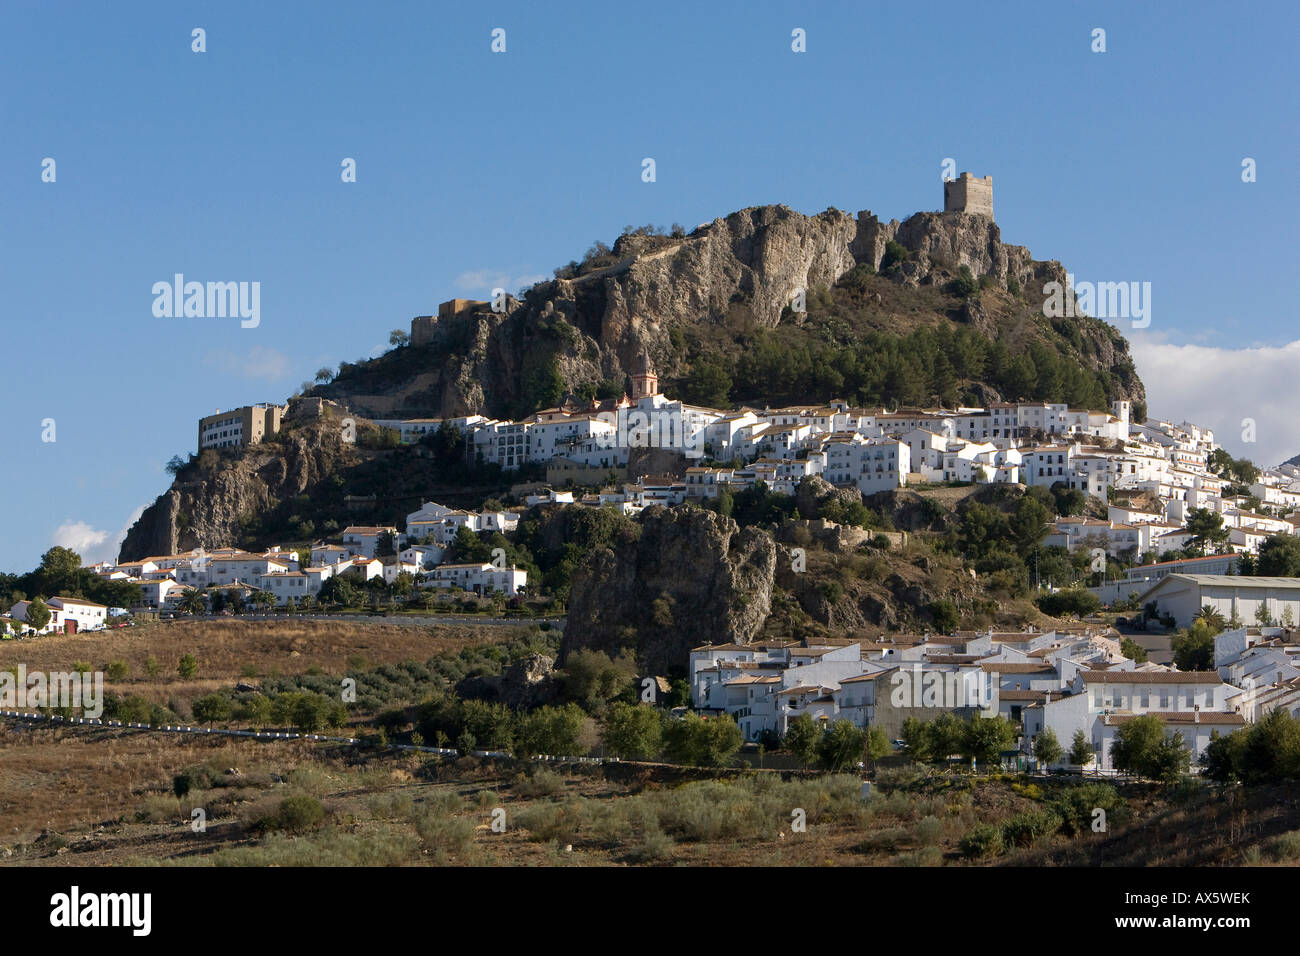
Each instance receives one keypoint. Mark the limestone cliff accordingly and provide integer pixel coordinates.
(666, 294)
(215, 499)
(691, 577)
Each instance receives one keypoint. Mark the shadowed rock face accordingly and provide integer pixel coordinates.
(209, 511)
(597, 326)
(692, 577)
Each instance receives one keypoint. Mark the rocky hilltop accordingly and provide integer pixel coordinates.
(680, 298)
(214, 500)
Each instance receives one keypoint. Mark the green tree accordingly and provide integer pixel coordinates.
(947, 736)
(592, 679)
(188, 667)
(632, 731)
(1212, 619)
(60, 571)
(986, 737)
(1194, 648)
(1279, 556)
(1081, 750)
(38, 613)
(550, 730)
(256, 710)
(708, 384)
(895, 254)
(702, 742)
(1068, 601)
(210, 708)
(1132, 650)
(1206, 528)
(878, 744)
(194, 602)
(1047, 748)
(1142, 747)
(1028, 524)
(842, 746)
(801, 738)
(915, 735)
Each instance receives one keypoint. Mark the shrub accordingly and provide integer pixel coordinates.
(653, 846)
(118, 670)
(895, 253)
(885, 840)
(1026, 829)
(929, 831)
(984, 840)
(1069, 601)
(443, 835)
(964, 285)
(298, 814)
(1285, 848)
(188, 667)
(1076, 804)
(925, 856)
(558, 822)
(543, 782)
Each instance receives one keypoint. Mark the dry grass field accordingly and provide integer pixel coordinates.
(227, 649)
(76, 796)
(110, 796)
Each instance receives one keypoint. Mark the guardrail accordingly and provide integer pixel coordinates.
(285, 735)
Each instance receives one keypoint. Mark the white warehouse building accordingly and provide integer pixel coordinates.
(1183, 595)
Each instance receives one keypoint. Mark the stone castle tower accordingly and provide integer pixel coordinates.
(644, 380)
(969, 194)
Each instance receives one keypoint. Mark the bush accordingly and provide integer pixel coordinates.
(299, 814)
(984, 840)
(1026, 829)
(192, 778)
(964, 285)
(1285, 848)
(1069, 601)
(653, 847)
(443, 835)
(895, 254)
(542, 783)
(118, 670)
(1076, 804)
(929, 831)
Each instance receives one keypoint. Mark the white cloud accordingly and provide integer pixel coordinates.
(1221, 388)
(92, 544)
(483, 281)
(259, 362)
(78, 536)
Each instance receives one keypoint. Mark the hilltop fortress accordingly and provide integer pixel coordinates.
(969, 194)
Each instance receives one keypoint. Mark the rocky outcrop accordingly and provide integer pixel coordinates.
(525, 684)
(208, 504)
(691, 577)
(743, 268)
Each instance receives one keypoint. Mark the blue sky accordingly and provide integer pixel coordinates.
(471, 165)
